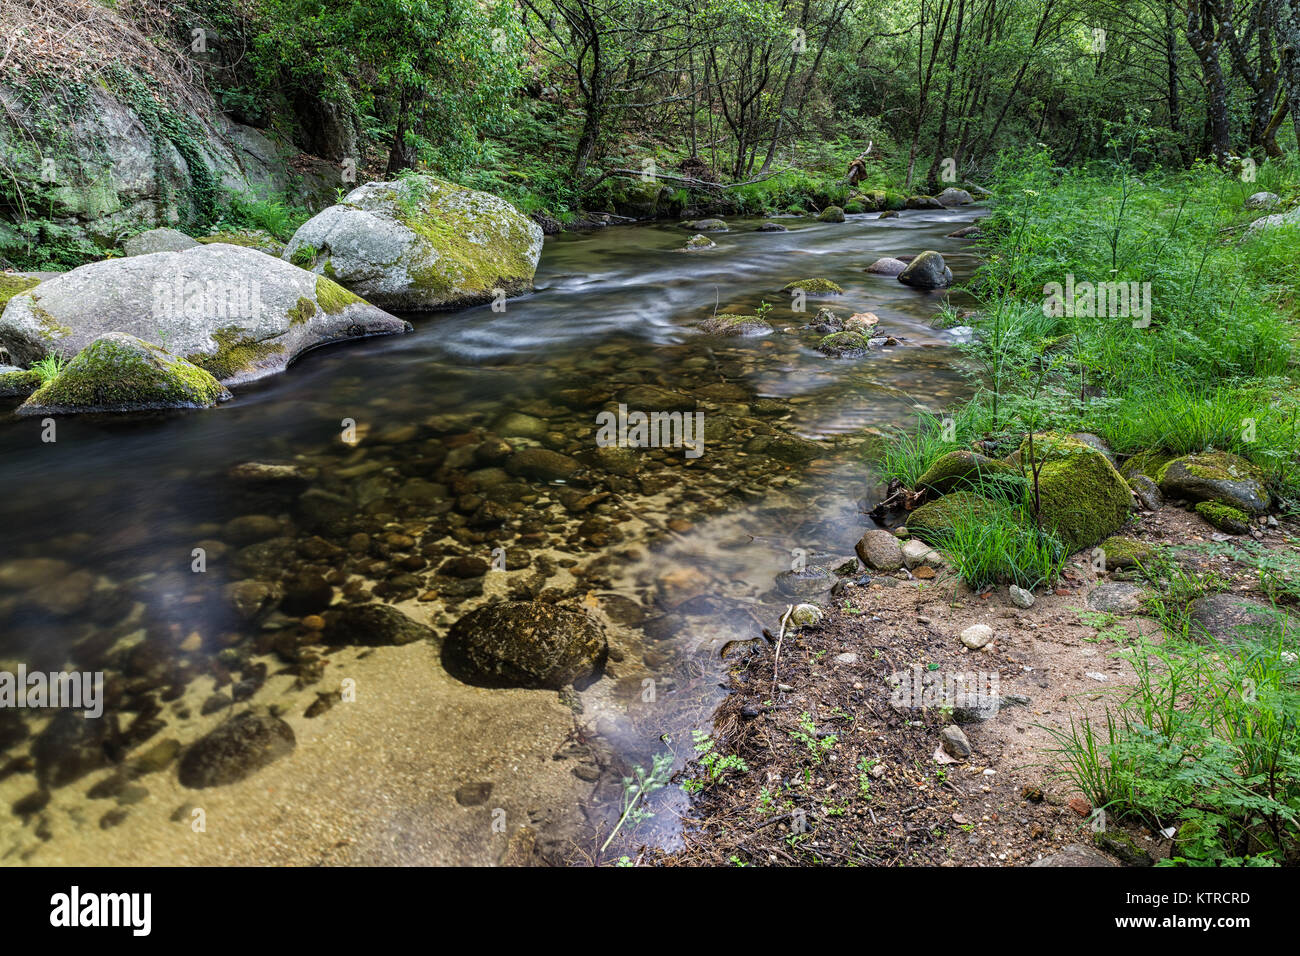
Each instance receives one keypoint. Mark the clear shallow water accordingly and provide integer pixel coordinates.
(99, 527)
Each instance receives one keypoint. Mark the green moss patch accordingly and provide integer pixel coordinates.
(122, 373)
(11, 285)
(302, 311)
(814, 287)
(961, 468)
(19, 384)
(932, 521)
(235, 353)
(1082, 498)
(1226, 518)
(333, 298)
(1122, 551)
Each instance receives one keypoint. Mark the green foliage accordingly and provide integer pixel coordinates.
(714, 764)
(1206, 744)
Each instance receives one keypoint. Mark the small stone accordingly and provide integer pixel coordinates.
(1020, 597)
(847, 658)
(805, 615)
(977, 636)
(1080, 806)
(954, 741)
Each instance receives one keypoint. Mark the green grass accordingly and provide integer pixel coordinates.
(1208, 744)
(49, 367)
(1000, 545)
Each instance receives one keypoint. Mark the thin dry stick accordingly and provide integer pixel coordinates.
(789, 609)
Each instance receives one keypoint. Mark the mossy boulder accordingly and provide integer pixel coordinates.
(815, 286)
(1149, 463)
(1082, 498)
(524, 644)
(229, 309)
(923, 202)
(1216, 476)
(121, 373)
(1122, 551)
(854, 206)
(958, 469)
(699, 241)
(17, 382)
(420, 244)
(735, 325)
(847, 344)
(926, 271)
(934, 520)
(706, 225)
(831, 214)
(1226, 518)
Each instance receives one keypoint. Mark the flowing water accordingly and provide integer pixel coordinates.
(130, 547)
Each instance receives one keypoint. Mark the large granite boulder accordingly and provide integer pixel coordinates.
(233, 311)
(419, 244)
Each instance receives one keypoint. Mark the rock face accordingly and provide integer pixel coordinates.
(927, 271)
(1216, 476)
(952, 196)
(233, 311)
(120, 373)
(157, 240)
(524, 644)
(421, 244)
(237, 748)
(1082, 497)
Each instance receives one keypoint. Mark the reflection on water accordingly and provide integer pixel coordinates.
(140, 549)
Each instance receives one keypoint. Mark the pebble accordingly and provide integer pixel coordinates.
(1020, 597)
(954, 741)
(977, 636)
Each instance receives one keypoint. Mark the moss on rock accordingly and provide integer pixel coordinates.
(933, 520)
(1226, 518)
(816, 286)
(1122, 551)
(961, 468)
(235, 353)
(847, 344)
(302, 311)
(1149, 463)
(734, 325)
(333, 298)
(119, 372)
(831, 214)
(1082, 498)
(1216, 476)
(11, 285)
(19, 384)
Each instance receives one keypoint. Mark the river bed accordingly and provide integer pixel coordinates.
(399, 494)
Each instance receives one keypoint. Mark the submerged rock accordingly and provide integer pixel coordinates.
(815, 286)
(121, 373)
(735, 325)
(887, 266)
(927, 271)
(373, 625)
(844, 345)
(771, 227)
(232, 311)
(524, 644)
(699, 241)
(235, 749)
(806, 582)
(420, 243)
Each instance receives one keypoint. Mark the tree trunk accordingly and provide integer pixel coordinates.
(1204, 41)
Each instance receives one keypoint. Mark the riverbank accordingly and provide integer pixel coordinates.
(1200, 368)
